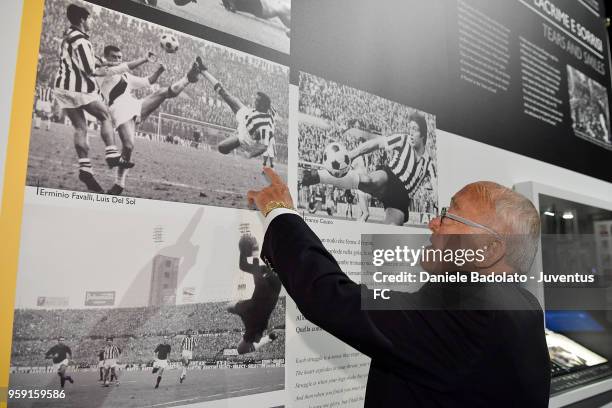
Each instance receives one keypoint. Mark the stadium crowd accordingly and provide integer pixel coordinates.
(137, 331)
(242, 75)
(339, 105)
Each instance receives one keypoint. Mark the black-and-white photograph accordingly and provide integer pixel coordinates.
(265, 22)
(161, 314)
(589, 108)
(363, 157)
(124, 106)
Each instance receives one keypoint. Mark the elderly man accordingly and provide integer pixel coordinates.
(478, 357)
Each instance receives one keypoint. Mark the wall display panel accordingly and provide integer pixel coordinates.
(146, 265)
(160, 282)
(362, 157)
(172, 140)
(266, 22)
(528, 76)
(534, 76)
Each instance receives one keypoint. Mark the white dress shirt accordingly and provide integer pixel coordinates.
(275, 213)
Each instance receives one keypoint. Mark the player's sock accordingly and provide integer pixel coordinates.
(177, 87)
(37, 122)
(349, 181)
(85, 165)
(121, 175)
(62, 380)
(112, 156)
(264, 340)
(86, 176)
(69, 378)
(48, 127)
(101, 374)
(158, 381)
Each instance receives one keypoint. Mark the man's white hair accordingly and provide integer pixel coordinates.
(516, 218)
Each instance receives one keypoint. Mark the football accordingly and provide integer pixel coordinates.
(336, 159)
(169, 43)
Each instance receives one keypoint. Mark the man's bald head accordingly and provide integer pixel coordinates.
(510, 214)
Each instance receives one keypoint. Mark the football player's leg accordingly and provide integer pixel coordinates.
(184, 369)
(176, 88)
(373, 183)
(159, 376)
(37, 120)
(68, 378)
(114, 373)
(154, 101)
(126, 132)
(245, 347)
(101, 373)
(364, 206)
(60, 373)
(349, 181)
(77, 117)
(393, 216)
(255, 150)
(100, 111)
(228, 144)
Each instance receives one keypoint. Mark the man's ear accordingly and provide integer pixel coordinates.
(492, 253)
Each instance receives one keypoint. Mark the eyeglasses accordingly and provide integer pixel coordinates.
(444, 213)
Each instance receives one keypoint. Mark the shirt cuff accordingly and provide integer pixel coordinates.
(275, 213)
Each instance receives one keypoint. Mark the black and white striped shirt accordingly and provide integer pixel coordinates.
(45, 94)
(259, 125)
(189, 343)
(77, 63)
(111, 352)
(406, 165)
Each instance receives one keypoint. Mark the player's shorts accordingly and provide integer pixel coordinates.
(110, 363)
(243, 134)
(101, 364)
(187, 354)
(270, 151)
(70, 99)
(57, 366)
(160, 363)
(364, 199)
(43, 106)
(395, 194)
(124, 109)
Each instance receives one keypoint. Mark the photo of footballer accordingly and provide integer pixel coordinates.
(61, 355)
(151, 113)
(265, 22)
(589, 108)
(363, 157)
(150, 344)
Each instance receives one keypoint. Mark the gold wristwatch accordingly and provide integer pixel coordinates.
(273, 205)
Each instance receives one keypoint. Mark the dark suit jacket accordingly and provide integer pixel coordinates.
(427, 358)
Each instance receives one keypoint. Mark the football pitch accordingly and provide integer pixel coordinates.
(136, 388)
(163, 171)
